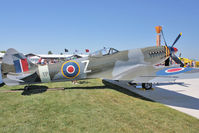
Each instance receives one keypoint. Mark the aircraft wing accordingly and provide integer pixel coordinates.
(169, 74)
(153, 74)
(154, 79)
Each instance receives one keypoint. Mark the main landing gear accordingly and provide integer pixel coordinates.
(146, 86)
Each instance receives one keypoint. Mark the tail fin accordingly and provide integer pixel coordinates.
(15, 62)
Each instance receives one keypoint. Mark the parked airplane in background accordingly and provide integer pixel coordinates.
(134, 66)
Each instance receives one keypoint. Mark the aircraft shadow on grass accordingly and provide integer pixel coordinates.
(117, 88)
(36, 89)
(33, 89)
(160, 95)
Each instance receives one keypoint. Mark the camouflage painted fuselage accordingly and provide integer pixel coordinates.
(121, 65)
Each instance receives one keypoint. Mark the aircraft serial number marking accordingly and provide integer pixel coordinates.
(86, 66)
(44, 73)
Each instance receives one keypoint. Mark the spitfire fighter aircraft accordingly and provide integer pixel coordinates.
(134, 66)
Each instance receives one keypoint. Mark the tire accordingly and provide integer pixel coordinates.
(147, 86)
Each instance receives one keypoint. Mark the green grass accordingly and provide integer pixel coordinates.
(87, 107)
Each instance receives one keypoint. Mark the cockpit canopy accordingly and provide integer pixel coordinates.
(104, 52)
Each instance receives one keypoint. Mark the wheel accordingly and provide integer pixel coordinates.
(147, 86)
(26, 88)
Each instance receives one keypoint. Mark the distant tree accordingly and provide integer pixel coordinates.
(61, 53)
(2, 51)
(50, 52)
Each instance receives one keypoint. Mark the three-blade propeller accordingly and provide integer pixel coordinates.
(172, 50)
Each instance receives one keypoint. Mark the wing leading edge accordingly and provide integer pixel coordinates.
(152, 74)
(169, 74)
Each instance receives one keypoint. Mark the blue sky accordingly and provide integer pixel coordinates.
(38, 26)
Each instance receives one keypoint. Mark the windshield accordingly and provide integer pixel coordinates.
(104, 51)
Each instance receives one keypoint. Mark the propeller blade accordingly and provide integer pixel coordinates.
(178, 37)
(164, 38)
(177, 60)
(180, 55)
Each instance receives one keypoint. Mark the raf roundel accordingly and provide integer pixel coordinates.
(173, 70)
(70, 69)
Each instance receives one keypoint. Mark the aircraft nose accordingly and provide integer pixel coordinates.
(175, 49)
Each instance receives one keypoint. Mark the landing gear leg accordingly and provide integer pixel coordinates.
(147, 86)
(132, 84)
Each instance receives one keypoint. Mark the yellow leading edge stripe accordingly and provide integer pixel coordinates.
(167, 51)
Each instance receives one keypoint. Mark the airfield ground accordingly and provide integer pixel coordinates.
(182, 95)
(86, 107)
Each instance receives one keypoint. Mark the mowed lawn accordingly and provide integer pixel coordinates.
(86, 107)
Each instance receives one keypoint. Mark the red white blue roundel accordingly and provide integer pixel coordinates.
(173, 71)
(70, 69)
